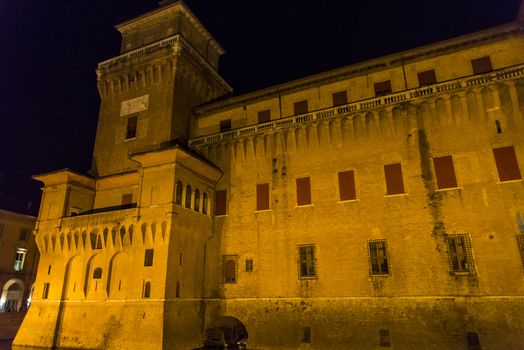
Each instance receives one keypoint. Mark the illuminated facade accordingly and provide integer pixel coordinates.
(18, 265)
(375, 205)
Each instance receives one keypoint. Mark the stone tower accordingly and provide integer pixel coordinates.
(144, 91)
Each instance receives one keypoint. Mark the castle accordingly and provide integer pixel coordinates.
(376, 205)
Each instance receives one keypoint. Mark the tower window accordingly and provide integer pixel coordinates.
(179, 190)
(131, 127)
(460, 254)
(306, 335)
(445, 172)
(382, 88)
(262, 196)
(427, 77)
(188, 197)
(340, 98)
(146, 290)
(45, 292)
(220, 202)
(148, 257)
(306, 261)
(394, 181)
(177, 291)
(303, 191)
(481, 65)
(300, 107)
(196, 206)
(378, 257)
(24, 234)
(346, 185)
(97, 273)
(507, 165)
(264, 116)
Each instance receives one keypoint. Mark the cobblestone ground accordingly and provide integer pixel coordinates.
(5, 344)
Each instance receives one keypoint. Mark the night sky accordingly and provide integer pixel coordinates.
(49, 51)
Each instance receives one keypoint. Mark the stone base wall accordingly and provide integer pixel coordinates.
(354, 323)
(9, 324)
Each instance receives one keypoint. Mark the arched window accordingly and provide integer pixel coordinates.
(188, 196)
(147, 289)
(11, 297)
(204, 203)
(197, 200)
(179, 189)
(97, 273)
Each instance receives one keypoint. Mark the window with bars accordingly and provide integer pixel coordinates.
(384, 338)
(473, 341)
(520, 245)
(378, 257)
(229, 268)
(307, 261)
(460, 253)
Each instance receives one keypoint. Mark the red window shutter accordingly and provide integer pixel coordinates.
(445, 172)
(303, 191)
(263, 197)
(481, 65)
(340, 98)
(220, 202)
(346, 185)
(264, 116)
(127, 199)
(383, 88)
(300, 107)
(507, 164)
(394, 182)
(427, 77)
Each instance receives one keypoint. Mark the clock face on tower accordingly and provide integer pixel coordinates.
(134, 105)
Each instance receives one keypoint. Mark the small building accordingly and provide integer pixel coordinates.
(18, 265)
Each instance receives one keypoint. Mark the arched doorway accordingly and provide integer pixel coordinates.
(226, 332)
(12, 296)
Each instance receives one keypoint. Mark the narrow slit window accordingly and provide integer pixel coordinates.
(303, 191)
(220, 202)
(45, 292)
(146, 290)
(481, 65)
(262, 196)
(264, 116)
(507, 164)
(177, 292)
(427, 77)
(300, 107)
(445, 172)
(340, 98)
(394, 181)
(382, 88)
(346, 185)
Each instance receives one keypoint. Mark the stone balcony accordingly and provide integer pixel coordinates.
(365, 105)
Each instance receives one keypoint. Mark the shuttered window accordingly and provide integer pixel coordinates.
(262, 196)
(394, 181)
(445, 172)
(303, 191)
(383, 88)
(427, 77)
(346, 185)
(507, 165)
(127, 199)
(225, 125)
(300, 107)
(264, 116)
(340, 98)
(220, 202)
(481, 65)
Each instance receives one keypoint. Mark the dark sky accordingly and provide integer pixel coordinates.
(49, 51)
